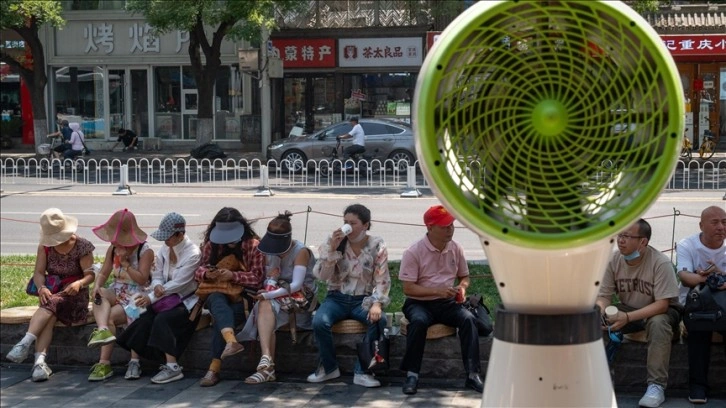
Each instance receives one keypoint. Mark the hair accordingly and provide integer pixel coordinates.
(64, 122)
(644, 229)
(228, 214)
(360, 211)
(281, 224)
(353, 119)
(121, 131)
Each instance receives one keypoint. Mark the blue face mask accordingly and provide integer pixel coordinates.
(634, 255)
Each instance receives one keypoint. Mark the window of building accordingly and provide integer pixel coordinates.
(79, 98)
(71, 5)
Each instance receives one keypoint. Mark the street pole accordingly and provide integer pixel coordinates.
(265, 100)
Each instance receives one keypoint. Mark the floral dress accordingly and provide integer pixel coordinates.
(123, 286)
(69, 309)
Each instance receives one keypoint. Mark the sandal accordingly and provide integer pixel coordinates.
(261, 377)
(265, 363)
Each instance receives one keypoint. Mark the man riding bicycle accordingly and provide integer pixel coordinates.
(358, 136)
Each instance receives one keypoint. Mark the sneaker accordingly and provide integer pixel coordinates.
(41, 372)
(100, 372)
(101, 337)
(18, 353)
(697, 396)
(320, 376)
(654, 396)
(134, 371)
(231, 349)
(167, 375)
(366, 380)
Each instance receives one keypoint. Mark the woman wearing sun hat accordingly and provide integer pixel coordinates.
(288, 260)
(129, 259)
(61, 252)
(164, 330)
(229, 254)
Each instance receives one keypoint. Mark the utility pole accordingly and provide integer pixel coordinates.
(265, 99)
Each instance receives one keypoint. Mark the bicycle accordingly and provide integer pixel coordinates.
(687, 148)
(47, 155)
(708, 146)
(334, 162)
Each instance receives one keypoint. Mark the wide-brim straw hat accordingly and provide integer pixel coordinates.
(121, 229)
(56, 228)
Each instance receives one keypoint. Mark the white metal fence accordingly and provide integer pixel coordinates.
(692, 175)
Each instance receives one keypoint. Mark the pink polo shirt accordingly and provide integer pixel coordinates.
(425, 265)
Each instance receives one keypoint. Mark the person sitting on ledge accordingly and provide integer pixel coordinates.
(429, 269)
(62, 253)
(355, 267)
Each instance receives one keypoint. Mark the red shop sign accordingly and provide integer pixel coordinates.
(305, 52)
(686, 45)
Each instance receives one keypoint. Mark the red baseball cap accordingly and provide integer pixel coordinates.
(438, 215)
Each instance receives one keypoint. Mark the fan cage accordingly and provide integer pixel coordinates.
(550, 124)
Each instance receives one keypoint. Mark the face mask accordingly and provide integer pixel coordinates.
(632, 256)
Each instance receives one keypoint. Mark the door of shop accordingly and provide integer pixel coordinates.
(129, 96)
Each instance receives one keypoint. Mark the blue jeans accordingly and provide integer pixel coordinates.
(337, 307)
(226, 314)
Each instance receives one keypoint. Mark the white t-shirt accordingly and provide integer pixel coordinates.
(359, 136)
(692, 254)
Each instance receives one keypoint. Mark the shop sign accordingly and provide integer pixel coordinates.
(305, 52)
(358, 95)
(688, 45)
(380, 52)
(122, 38)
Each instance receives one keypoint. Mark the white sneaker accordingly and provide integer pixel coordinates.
(366, 380)
(654, 396)
(18, 353)
(41, 372)
(320, 376)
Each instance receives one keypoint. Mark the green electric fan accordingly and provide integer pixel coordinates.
(547, 127)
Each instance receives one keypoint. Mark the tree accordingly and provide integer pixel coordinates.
(232, 19)
(25, 18)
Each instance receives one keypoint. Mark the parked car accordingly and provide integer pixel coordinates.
(385, 140)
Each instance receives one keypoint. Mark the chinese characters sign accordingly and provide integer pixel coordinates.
(380, 52)
(305, 52)
(685, 45)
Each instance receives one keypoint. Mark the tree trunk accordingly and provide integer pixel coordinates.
(205, 112)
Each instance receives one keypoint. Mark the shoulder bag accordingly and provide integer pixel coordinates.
(705, 309)
(475, 305)
(373, 353)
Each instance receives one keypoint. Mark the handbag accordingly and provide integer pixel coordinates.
(233, 291)
(304, 300)
(53, 282)
(705, 309)
(166, 303)
(483, 320)
(373, 353)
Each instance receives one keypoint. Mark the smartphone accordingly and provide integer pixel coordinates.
(97, 299)
(709, 269)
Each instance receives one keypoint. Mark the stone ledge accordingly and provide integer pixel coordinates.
(441, 360)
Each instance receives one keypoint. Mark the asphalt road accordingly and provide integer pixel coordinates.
(397, 220)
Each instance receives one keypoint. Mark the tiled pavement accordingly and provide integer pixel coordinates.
(68, 387)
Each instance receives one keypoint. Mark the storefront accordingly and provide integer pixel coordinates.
(111, 72)
(328, 80)
(701, 61)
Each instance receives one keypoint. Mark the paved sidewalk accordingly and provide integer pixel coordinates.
(68, 387)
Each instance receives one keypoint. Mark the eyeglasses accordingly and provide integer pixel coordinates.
(626, 236)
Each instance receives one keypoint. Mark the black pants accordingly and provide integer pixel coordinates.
(353, 149)
(423, 313)
(699, 358)
(152, 335)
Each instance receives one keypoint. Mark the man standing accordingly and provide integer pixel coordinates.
(129, 139)
(646, 285)
(358, 136)
(429, 269)
(700, 255)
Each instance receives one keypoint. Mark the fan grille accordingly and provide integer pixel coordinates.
(548, 123)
